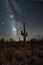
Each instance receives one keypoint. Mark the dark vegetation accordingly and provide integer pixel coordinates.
(14, 53)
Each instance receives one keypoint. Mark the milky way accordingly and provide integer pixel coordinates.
(14, 15)
(14, 12)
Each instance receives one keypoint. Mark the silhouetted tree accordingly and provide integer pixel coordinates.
(2, 40)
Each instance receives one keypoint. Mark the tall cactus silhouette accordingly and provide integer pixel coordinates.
(24, 33)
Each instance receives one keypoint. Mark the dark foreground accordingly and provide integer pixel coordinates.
(14, 53)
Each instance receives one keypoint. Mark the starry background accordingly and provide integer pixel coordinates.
(14, 12)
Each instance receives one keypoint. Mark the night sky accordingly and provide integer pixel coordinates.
(14, 12)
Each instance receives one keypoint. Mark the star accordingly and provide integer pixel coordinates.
(3, 23)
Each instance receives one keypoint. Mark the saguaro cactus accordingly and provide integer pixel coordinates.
(24, 33)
